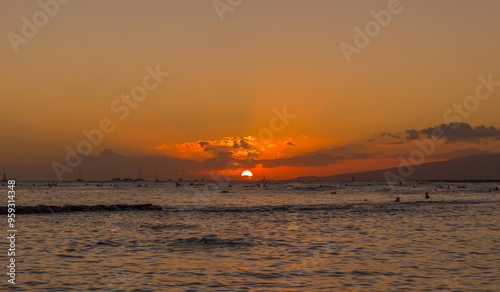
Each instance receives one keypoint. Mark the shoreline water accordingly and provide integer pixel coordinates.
(369, 206)
(286, 237)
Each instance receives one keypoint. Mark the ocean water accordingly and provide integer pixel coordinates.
(255, 236)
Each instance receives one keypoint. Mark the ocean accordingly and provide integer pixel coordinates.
(258, 236)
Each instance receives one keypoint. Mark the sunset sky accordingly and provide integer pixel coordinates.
(231, 74)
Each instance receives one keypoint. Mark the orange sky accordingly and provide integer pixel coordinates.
(228, 78)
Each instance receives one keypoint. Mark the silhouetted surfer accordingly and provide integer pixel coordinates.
(427, 195)
(397, 199)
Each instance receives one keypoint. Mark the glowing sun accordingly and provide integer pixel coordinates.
(247, 174)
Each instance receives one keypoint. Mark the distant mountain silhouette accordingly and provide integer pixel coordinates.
(473, 167)
(112, 165)
(108, 165)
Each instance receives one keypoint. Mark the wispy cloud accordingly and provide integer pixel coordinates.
(456, 132)
(314, 159)
(388, 144)
(453, 133)
(383, 135)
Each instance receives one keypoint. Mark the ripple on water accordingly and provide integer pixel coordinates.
(212, 240)
(108, 243)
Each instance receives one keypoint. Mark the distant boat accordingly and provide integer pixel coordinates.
(156, 176)
(80, 176)
(140, 175)
(263, 178)
(4, 177)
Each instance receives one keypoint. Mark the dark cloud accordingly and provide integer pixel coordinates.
(244, 144)
(346, 147)
(223, 160)
(412, 134)
(382, 135)
(313, 160)
(352, 156)
(320, 158)
(241, 144)
(388, 144)
(456, 132)
(451, 133)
